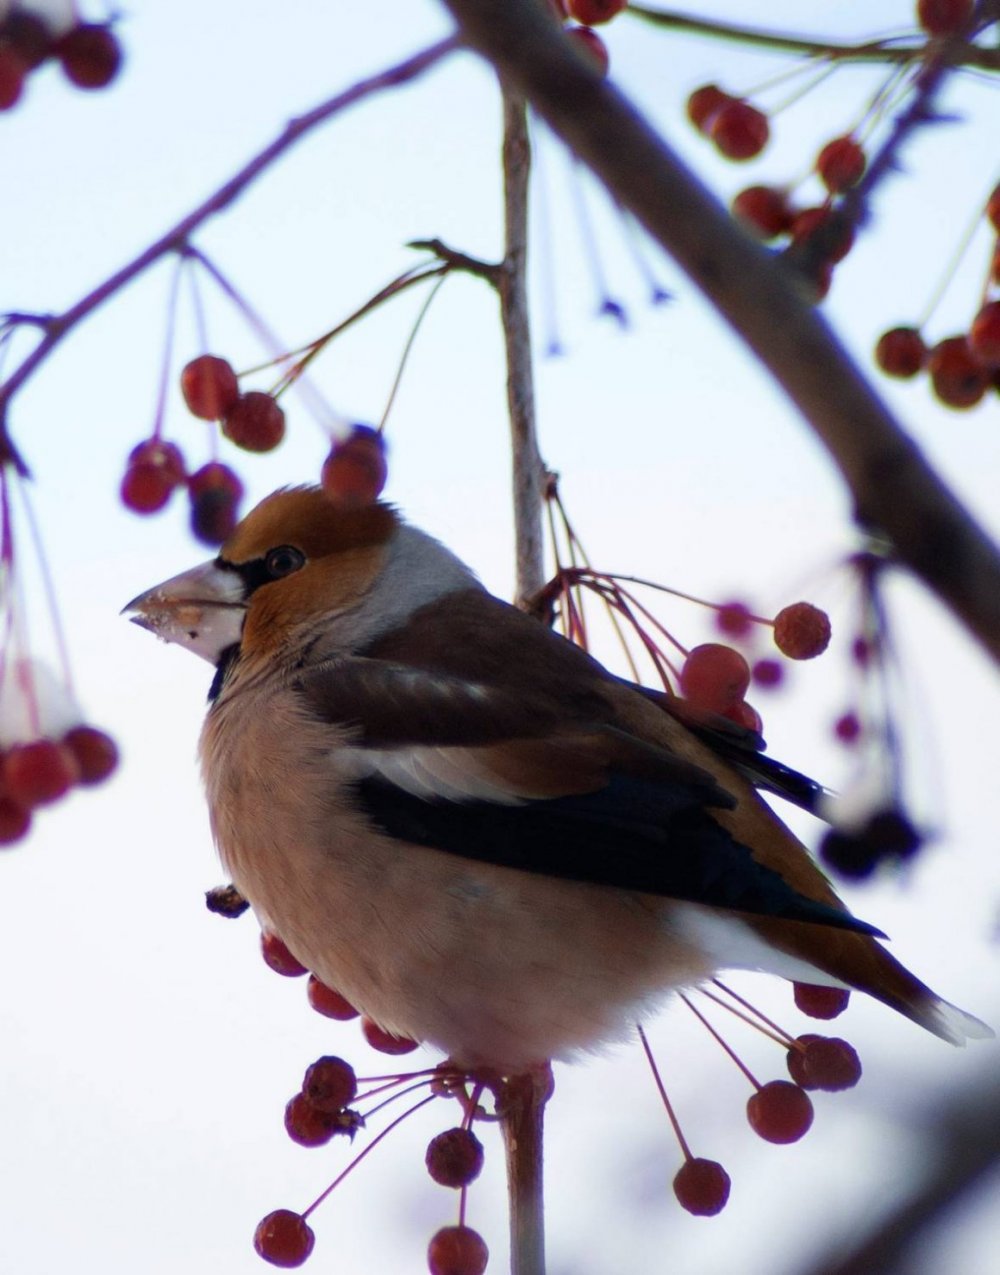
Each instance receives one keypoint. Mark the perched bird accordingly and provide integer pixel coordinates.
(465, 824)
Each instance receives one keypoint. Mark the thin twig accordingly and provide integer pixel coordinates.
(521, 1106)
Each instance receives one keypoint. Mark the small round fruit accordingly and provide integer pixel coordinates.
(739, 130)
(841, 164)
(278, 958)
(385, 1042)
(39, 773)
(145, 489)
(593, 48)
(702, 1187)
(27, 35)
(734, 618)
(901, 352)
(764, 210)
(209, 387)
(957, 378)
(593, 12)
(801, 631)
(330, 1084)
(215, 494)
(15, 821)
(454, 1158)
(984, 335)
(457, 1250)
(768, 673)
(13, 73)
(823, 232)
(943, 17)
(95, 752)
(821, 1002)
(780, 1112)
(704, 104)
(823, 1062)
(90, 55)
(355, 471)
(714, 676)
(284, 1238)
(255, 422)
(306, 1124)
(329, 1003)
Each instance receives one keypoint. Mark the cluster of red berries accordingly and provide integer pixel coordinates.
(41, 771)
(589, 14)
(155, 468)
(716, 677)
(962, 368)
(89, 53)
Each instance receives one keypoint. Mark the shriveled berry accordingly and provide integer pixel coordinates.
(739, 130)
(901, 352)
(821, 1002)
(306, 1124)
(704, 104)
(226, 900)
(764, 210)
(943, 17)
(801, 631)
(284, 1238)
(330, 1084)
(957, 378)
(714, 676)
(457, 1250)
(255, 422)
(90, 54)
(984, 335)
(278, 958)
(455, 1158)
(593, 48)
(702, 1187)
(780, 1112)
(326, 1001)
(15, 821)
(593, 12)
(841, 164)
(823, 1062)
(209, 387)
(96, 753)
(385, 1042)
(355, 471)
(215, 493)
(38, 773)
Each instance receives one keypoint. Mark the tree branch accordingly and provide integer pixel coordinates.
(892, 486)
(521, 1108)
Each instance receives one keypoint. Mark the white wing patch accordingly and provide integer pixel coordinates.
(448, 774)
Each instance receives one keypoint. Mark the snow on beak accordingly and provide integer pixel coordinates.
(202, 609)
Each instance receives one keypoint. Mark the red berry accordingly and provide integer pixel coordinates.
(39, 773)
(765, 210)
(943, 17)
(995, 264)
(823, 231)
(95, 753)
(355, 471)
(278, 958)
(841, 164)
(28, 35)
(13, 72)
(714, 677)
(704, 104)
(455, 1158)
(824, 1062)
(780, 1112)
(821, 1002)
(745, 715)
(330, 1084)
(215, 493)
(385, 1042)
(255, 422)
(993, 208)
(901, 352)
(306, 1124)
(739, 130)
(15, 821)
(145, 488)
(592, 47)
(326, 1001)
(984, 335)
(801, 631)
(847, 728)
(284, 1238)
(457, 1250)
(90, 55)
(734, 618)
(593, 12)
(957, 378)
(209, 387)
(702, 1187)
(767, 673)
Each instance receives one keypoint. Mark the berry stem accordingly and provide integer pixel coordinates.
(718, 1037)
(782, 1037)
(421, 315)
(168, 349)
(668, 1105)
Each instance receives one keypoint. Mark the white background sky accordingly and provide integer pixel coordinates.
(146, 1051)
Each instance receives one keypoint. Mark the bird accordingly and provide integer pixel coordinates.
(466, 825)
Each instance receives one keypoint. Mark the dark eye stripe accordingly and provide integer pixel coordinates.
(265, 570)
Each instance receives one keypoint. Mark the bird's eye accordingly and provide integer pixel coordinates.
(283, 561)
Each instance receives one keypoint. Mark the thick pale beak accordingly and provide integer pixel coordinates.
(201, 609)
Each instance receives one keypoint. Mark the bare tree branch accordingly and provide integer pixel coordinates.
(892, 485)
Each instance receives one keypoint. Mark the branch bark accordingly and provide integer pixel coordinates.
(893, 487)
